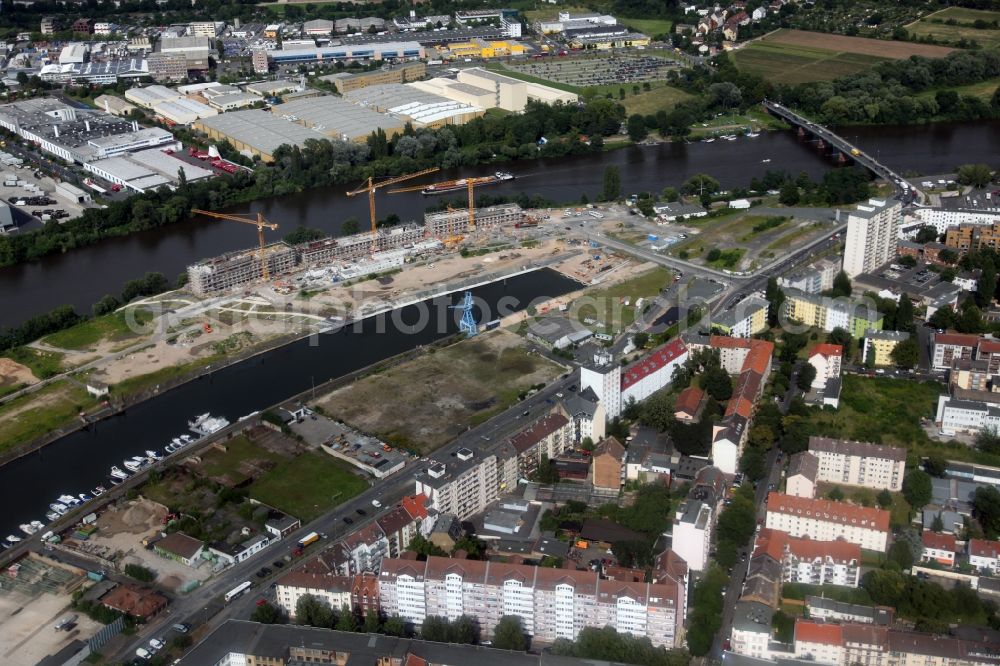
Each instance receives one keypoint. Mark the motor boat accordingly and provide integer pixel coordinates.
(52, 515)
(61, 509)
(85, 497)
(69, 499)
(131, 465)
(118, 473)
(153, 455)
(12, 539)
(709, 140)
(186, 439)
(98, 491)
(116, 481)
(32, 527)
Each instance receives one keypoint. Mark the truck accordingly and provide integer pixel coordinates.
(310, 538)
(94, 186)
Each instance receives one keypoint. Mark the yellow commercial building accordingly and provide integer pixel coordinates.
(879, 345)
(486, 50)
(345, 82)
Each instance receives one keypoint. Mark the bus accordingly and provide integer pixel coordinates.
(312, 537)
(238, 590)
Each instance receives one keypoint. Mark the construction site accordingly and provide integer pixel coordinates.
(374, 251)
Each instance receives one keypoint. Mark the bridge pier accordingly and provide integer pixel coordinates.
(801, 132)
(841, 158)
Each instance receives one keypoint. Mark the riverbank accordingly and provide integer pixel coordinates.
(191, 341)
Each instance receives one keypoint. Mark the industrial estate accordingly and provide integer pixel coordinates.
(656, 416)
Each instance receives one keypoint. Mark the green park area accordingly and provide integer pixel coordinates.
(308, 485)
(954, 24)
(123, 326)
(607, 306)
(27, 417)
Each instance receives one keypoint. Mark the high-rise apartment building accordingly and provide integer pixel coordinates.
(871, 235)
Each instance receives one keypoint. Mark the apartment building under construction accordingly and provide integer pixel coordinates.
(357, 246)
(456, 222)
(234, 269)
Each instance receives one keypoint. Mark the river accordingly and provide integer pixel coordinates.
(82, 276)
(78, 462)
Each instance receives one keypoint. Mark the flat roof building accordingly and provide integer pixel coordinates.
(343, 52)
(339, 119)
(256, 132)
(150, 96)
(403, 73)
(183, 111)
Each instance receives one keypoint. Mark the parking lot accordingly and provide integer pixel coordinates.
(598, 70)
(44, 189)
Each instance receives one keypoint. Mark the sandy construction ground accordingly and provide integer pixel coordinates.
(26, 627)
(14, 374)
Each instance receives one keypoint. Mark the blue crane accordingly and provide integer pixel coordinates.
(467, 324)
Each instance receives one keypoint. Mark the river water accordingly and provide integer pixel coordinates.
(82, 276)
(80, 461)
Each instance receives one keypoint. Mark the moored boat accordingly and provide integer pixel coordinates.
(463, 183)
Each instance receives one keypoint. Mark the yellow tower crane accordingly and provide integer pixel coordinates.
(259, 222)
(470, 184)
(370, 188)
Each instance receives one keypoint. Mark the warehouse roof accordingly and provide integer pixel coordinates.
(418, 105)
(336, 117)
(260, 129)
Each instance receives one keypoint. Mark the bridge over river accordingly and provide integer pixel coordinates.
(905, 191)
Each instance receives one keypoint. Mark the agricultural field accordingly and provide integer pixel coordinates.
(796, 56)
(439, 394)
(957, 23)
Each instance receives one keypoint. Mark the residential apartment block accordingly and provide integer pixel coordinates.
(973, 237)
(552, 603)
(829, 313)
(810, 561)
(952, 347)
(692, 535)
(464, 485)
(871, 235)
(816, 278)
(824, 520)
(966, 416)
(549, 436)
(878, 346)
(864, 464)
(849, 644)
(615, 386)
(746, 318)
(822, 608)
(803, 472)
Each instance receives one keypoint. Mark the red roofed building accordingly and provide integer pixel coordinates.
(825, 520)
(811, 562)
(989, 351)
(653, 371)
(938, 548)
(985, 555)
(550, 436)
(689, 405)
(826, 358)
(951, 347)
(822, 643)
(139, 602)
(752, 360)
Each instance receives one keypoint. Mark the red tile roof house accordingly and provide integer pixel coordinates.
(689, 405)
(139, 602)
(938, 548)
(985, 555)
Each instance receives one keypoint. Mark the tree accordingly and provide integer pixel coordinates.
(936, 466)
(884, 499)
(753, 463)
(775, 298)
(806, 376)
(640, 340)
(937, 524)
(435, 628)
(107, 304)
(346, 621)
(906, 354)
(986, 287)
(612, 183)
(926, 234)
(464, 630)
(303, 234)
(705, 617)
(717, 383)
(908, 260)
(700, 183)
(904, 314)
(841, 336)
(350, 227)
(976, 175)
(986, 503)
(841, 285)
(670, 194)
(901, 553)
(917, 488)
(394, 626)
(309, 610)
(987, 441)
(372, 622)
(789, 194)
(509, 634)
(835, 494)
(636, 128)
(267, 614)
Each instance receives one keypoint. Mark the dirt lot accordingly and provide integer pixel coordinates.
(439, 394)
(14, 374)
(26, 627)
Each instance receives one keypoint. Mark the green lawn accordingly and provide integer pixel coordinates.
(934, 25)
(116, 327)
(607, 305)
(889, 411)
(647, 26)
(308, 486)
(793, 63)
(217, 464)
(43, 364)
(33, 415)
(983, 90)
(661, 97)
